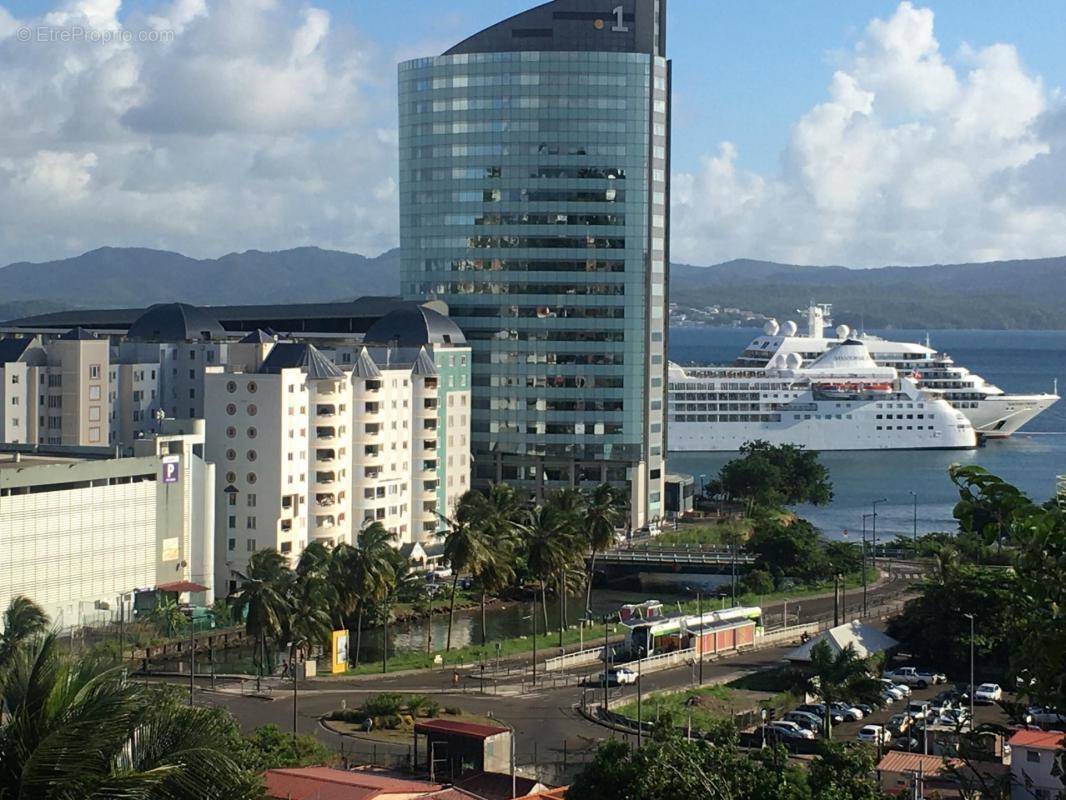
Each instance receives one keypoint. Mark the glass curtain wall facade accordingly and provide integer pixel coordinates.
(534, 195)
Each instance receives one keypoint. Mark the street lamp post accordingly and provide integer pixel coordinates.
(875, 504)
(699, 611)
(606, 660)
(533, 619)
(915, 534)
(864, 606)
(970, 617)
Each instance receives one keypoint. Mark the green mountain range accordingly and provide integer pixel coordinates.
(1027, 294)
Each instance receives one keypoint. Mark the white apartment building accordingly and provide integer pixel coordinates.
(314, 433)
(82, 531)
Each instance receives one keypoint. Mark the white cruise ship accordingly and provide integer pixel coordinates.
(841, 400)
(993, 413)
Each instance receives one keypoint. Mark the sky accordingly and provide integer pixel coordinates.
(863, 134)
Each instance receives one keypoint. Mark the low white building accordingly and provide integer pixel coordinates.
(1034, 756)
(81, 530)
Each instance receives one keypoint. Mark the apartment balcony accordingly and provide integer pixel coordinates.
(372, 408)
(429, 486)
(372, 428)
(429, 444)
(325, 499)
(286, 525)
(325, 521)
(429, 465)
(325, 478)
(326, 410)
(372, 451)
(325, 455)
(429, 425)
(373, 386)
(373, 473)
(326, 432)
(429, 403)
(431, 383)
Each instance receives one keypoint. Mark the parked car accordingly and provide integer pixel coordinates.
(866, 710)
(897, 690)
(948, 698)
(918, 709)
(806, 720)
(1039, 715)
(988, 693)
(874, 734)
(818, 709)
(784, 729)
(848, 712)
(953, 717)
(907, 743)
(937, 677)
(911, 676)
(899, 724)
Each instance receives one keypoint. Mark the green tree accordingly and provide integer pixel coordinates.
(605, 511)
(465, 546)
(369, 572)
(549, 547)
(841, 677)
(773, 475)
(499, 516)
(758, 581)
(73, 730)
(268, 747)
(842, 772)
(262, 601)
(167, 617)
(24, 620)
(789, 546)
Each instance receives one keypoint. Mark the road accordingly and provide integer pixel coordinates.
(550, 731)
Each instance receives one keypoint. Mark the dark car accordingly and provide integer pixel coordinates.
(819, 710)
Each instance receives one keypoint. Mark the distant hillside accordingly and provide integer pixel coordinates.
(996, 295)
(113, 277)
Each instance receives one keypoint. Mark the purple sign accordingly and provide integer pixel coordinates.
(170, 471)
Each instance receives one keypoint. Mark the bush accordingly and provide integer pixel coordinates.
(416, 703)
(382, 705)
(758, 581)
(390, 722)
(453, 710)
(431, 709)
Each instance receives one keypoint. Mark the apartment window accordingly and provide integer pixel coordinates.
(94, 434)
(192, 394)
(249, 523)
(14, 379)
(231, 499)
(232, 544)
(232, 521)
(286, 547)
(14, 401)
(192, 374)
(250, 545)
(94, 371)
(251, 500)
(1032, 756)
(94, 393)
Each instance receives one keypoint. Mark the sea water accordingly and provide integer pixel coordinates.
(1016, 361)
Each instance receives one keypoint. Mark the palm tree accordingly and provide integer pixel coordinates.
(23, 620)
(604, 512)
(548, 547)
(841, 677)
(73, 730)
(262, 600)
(369, 571)
(499, 514)
(465, 547)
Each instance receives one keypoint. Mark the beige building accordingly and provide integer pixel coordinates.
(82, 531)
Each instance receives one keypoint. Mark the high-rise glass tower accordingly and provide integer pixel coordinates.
(534, 200)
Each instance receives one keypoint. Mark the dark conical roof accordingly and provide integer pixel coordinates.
(424, 365)
(365, 366)
(77, 334)
(12, 348)
(289, 355)
(414, 326)
(259, 336)
(175, 322)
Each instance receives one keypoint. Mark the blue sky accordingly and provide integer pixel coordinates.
(861, 133)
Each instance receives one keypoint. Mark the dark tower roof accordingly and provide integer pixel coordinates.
(175, 322)
(77, 334)
(12, 348)
(287, 355)
(414, 326)
(259, 336)
(577, 26)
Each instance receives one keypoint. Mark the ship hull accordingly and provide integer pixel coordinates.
(1000, 416)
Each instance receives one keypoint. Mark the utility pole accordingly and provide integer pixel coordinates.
(640, 719)
(294, 698)
(533, 617)
(864, 606)
(192, 659)
(915, 496)
(606, 661)
(699, 610)
(836, 599)
(875, 504)
(970, 617)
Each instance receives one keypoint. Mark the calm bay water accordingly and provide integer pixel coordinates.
(1016, 361)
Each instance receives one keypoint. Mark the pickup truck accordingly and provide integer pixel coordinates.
(912, 676)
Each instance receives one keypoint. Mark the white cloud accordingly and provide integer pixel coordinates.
(912, 159)
(244, 123)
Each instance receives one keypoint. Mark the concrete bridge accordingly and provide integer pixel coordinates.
(704, 561)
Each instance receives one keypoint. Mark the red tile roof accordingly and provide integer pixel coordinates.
(326, 783)
(451, 726)
(899, 761)
(1038, 740)
(497, 786)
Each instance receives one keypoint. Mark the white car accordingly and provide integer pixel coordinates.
(897, 690)
(622, 676)
(788, 730)
(874, 734)
(1038, 715)
(988, 693)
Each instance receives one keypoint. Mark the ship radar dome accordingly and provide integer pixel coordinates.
(843, 331)
(771, 327)
(794, 361)
(789, 328)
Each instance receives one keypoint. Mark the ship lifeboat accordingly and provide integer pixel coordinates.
(850, 390)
